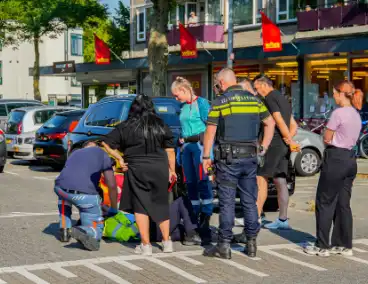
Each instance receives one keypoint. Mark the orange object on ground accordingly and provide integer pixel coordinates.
(119, 181)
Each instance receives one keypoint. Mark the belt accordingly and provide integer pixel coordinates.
(192, 139)
(71, 191)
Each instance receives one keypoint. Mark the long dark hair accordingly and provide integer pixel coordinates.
(143, 118)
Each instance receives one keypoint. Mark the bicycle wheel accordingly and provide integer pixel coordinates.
(363, 146)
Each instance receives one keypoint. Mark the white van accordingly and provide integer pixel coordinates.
(22, 125)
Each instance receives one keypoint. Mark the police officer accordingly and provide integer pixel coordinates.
(235, 119)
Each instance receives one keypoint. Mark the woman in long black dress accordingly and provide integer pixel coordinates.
(148, 148)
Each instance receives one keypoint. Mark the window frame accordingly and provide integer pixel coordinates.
(43, 111)
(6, 110)
(255, 16)
(1, 72)
(278, 13)
(124, 111)
(139, 11)
(76, 37)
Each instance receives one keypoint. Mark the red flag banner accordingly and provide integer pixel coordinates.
(102, 51)
(188, 43)
(271, 35)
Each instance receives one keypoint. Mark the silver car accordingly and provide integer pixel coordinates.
(22, 126)
(308, 161)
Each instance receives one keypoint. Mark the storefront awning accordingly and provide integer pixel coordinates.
(304, 47)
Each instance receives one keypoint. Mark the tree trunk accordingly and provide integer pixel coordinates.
(36, 70)
(158, 47)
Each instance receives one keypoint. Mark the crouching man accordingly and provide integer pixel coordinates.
(77, 185)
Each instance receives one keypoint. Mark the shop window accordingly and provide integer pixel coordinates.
(320, 77)
(246, 12)
(76, 44)
(284, 76)
(242, 71)
(359, 76)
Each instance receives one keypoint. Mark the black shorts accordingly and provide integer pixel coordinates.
(276, 161)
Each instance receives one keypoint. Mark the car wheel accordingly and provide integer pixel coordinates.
(271, 205)
(307, 163)
(1, 169)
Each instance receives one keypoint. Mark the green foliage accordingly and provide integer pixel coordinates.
(114, 32)
(28, 20)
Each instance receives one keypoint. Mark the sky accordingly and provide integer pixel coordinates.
(114, 4)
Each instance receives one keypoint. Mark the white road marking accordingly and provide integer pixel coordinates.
(106, 273)
(357, 259)
(3, 282)
(299, 250)
(62, 271)
(11, 173)
(25, 214)
(30, 276)
(303, 192)
(176, 270)
(292, 260)
(128, 265)
(190, 260)
(242, 267)
(43, 178)
(359, 250)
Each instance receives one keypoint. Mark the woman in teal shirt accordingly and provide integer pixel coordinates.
(193, 119)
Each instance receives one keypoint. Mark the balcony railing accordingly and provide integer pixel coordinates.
(208, 32)
(352, 14)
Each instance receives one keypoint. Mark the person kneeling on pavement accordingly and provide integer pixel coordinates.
(78, 185)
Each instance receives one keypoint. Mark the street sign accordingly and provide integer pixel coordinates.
(64, 67)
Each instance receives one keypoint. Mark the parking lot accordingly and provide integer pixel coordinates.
(31, 253)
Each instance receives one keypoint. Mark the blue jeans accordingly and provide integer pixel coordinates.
(90, 212)
(241, 173)
(198, 185)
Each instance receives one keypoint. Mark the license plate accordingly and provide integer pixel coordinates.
(39, 151)
(16, 149)
(8, 141)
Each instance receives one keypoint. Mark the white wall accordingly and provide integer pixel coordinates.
(16, 63)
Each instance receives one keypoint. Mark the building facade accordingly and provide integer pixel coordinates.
(15, 80)
(324, 41)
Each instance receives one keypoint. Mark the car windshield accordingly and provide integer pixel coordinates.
(16, 116)
(56, 121)
(168, 113)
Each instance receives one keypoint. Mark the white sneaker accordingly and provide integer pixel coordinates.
(168, 246)
(143, 250)
(313, 250)
(342, 251)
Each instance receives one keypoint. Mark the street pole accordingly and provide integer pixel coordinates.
(230, 34)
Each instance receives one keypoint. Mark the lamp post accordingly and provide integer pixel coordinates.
(230, 34)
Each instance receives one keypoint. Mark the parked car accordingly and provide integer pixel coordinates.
(103, 115)
(6, 106)
(21, 128)
(51, 143)
(2, 151)
(308, 161)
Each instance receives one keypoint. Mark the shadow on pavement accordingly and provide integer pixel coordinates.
(294, 236)
(35, 166)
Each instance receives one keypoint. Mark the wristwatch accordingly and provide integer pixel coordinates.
(206, 158)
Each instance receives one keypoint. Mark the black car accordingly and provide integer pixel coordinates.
(101, 117)
(51, 144)
(2, 151)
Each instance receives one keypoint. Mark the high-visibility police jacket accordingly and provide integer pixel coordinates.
(120, 228)
(238, 115)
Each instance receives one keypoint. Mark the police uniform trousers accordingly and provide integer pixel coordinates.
(339, 169)
(239, 174)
